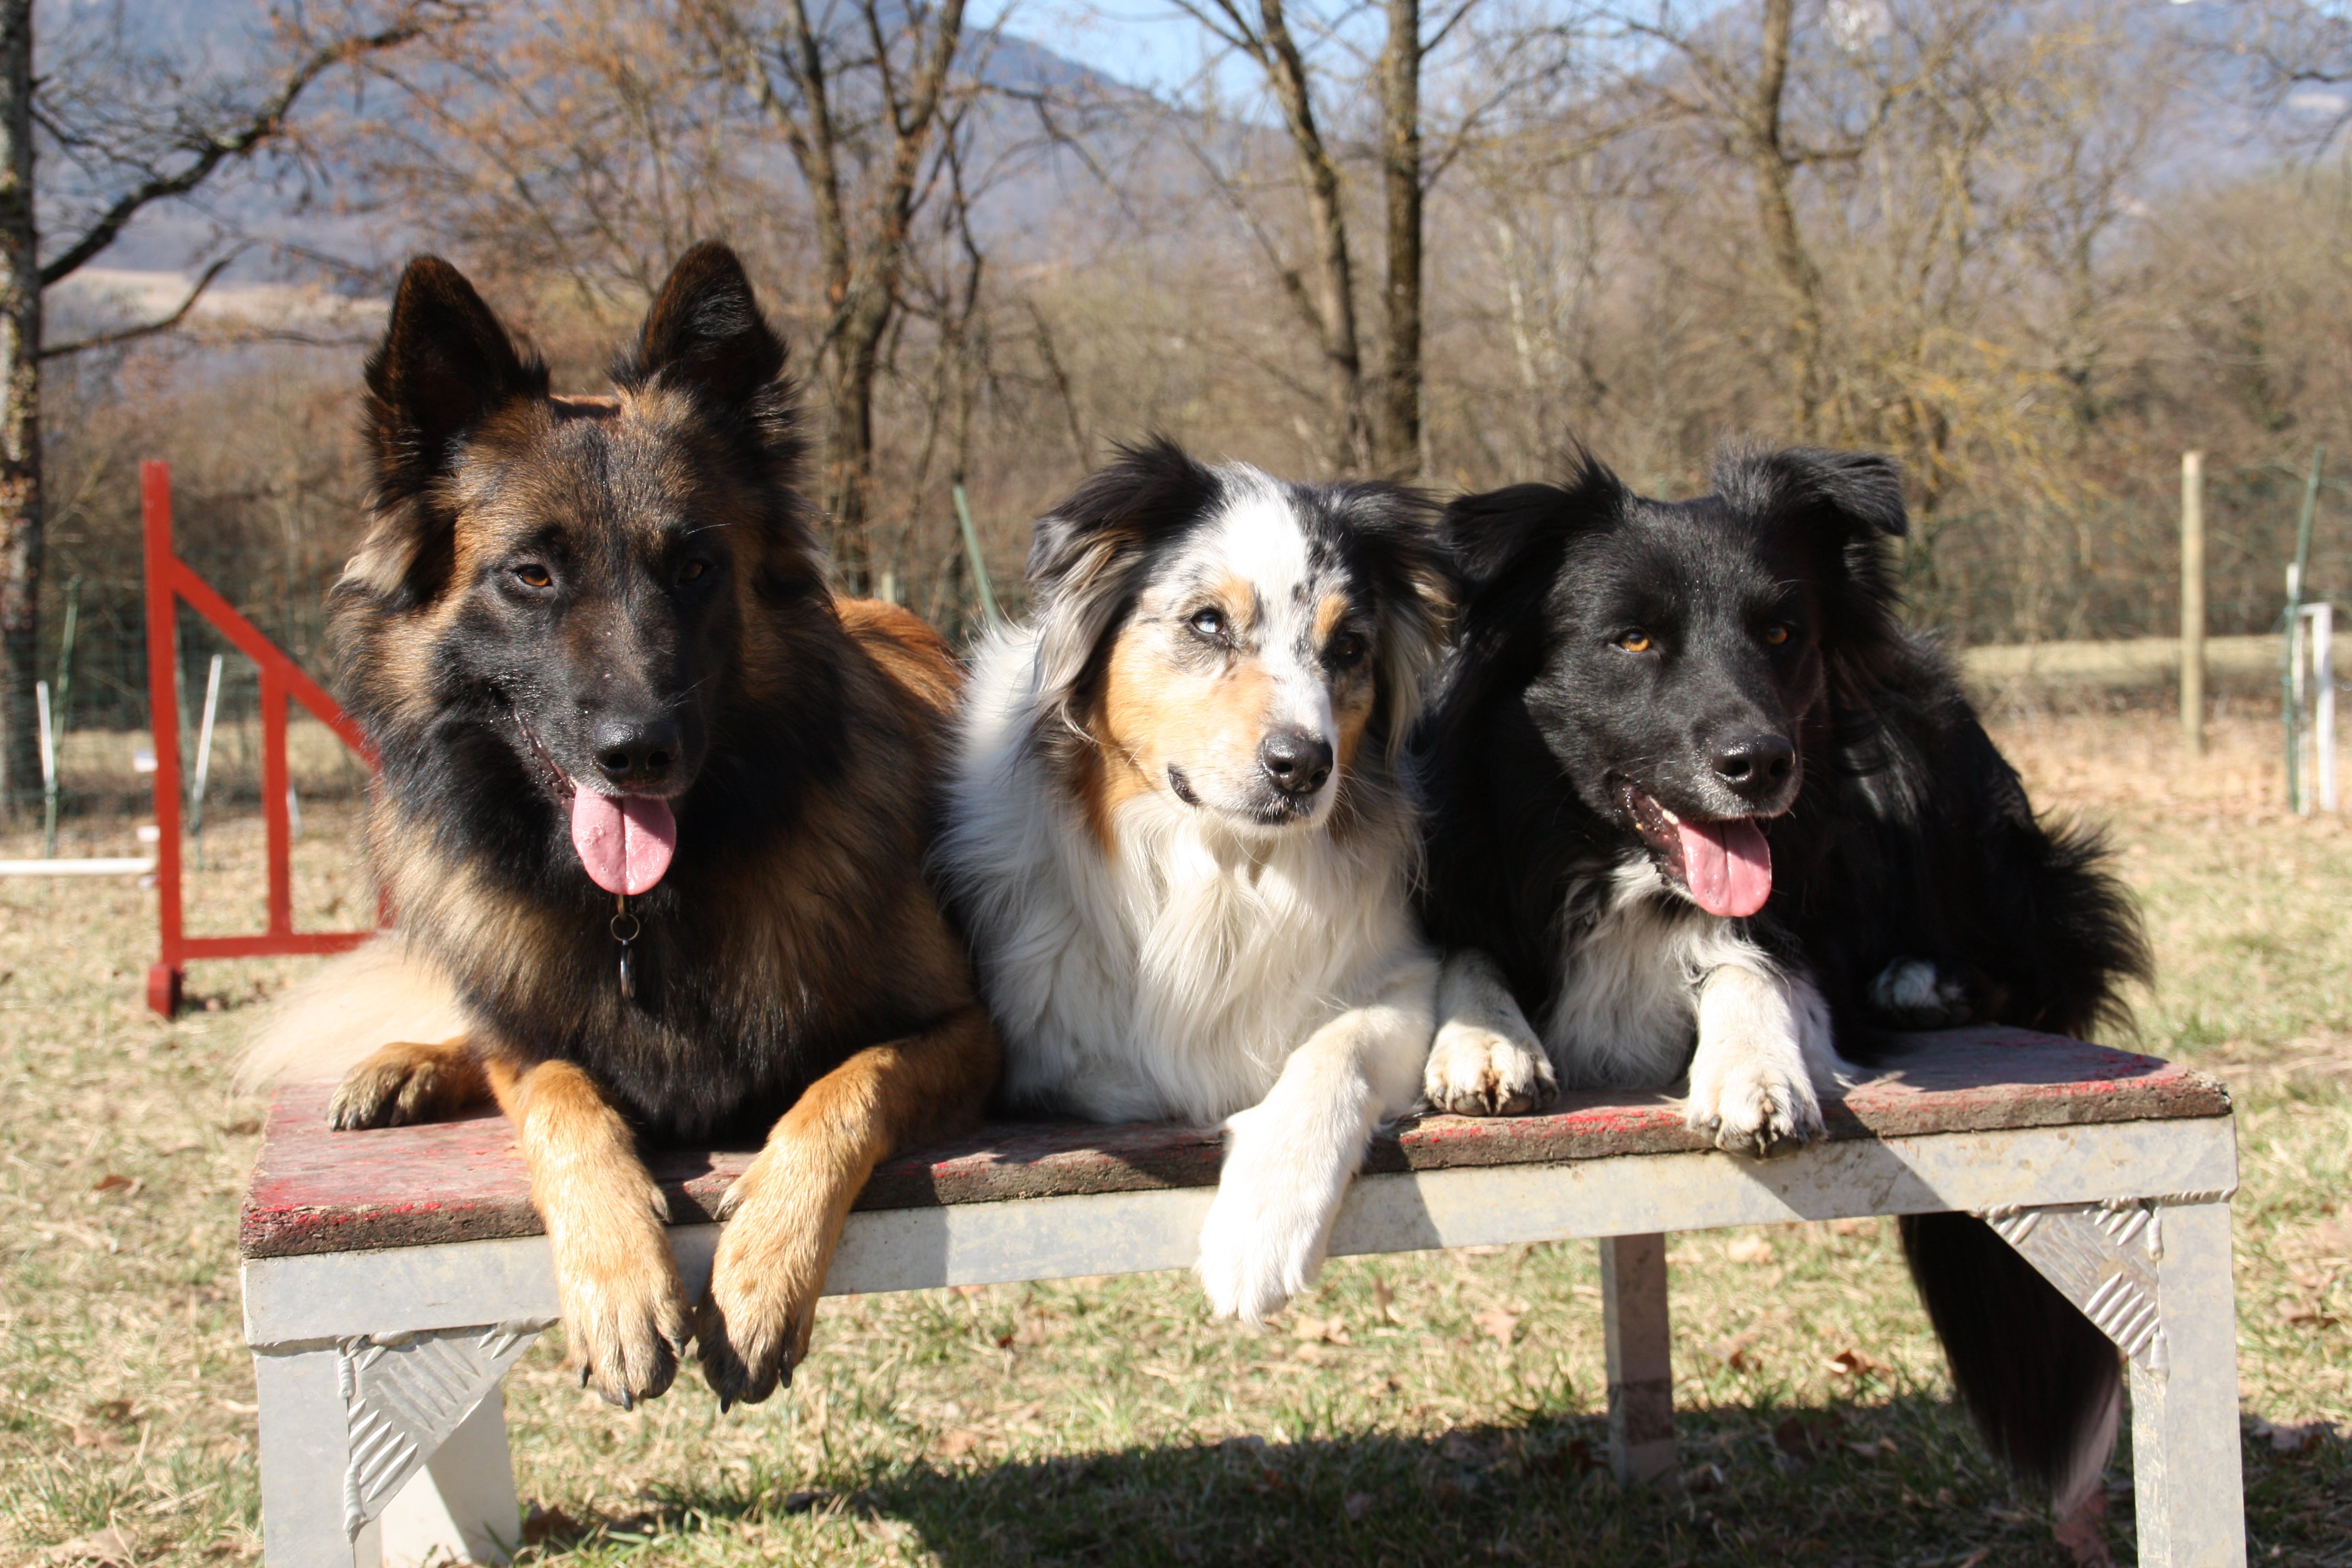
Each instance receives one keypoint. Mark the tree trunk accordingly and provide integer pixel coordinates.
(849, 440)
(1327, 213)
(20, 413)
(1776, 205)
(1398, 452)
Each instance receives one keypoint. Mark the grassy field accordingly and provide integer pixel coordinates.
(1427, 1409)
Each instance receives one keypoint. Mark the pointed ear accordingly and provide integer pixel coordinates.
(705, 333)
(444, 363)
(1088, 555)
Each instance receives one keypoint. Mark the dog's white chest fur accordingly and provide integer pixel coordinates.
(1627, 1014)
(1172, 975)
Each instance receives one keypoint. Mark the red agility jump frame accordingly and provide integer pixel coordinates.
(169, 580)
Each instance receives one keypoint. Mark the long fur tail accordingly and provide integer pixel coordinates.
(2045, 1385)
(374, 994)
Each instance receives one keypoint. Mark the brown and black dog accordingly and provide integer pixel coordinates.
(592, 641)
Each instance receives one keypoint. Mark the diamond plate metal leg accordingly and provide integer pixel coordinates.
(460, 1506)
(305, 1451)
(2155, 1277)
(1641, 1359)
(2185, 1483)
(402, 1399)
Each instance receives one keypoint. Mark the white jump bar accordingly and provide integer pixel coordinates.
(127, 865)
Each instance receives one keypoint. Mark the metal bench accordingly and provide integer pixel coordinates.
(392, 1278)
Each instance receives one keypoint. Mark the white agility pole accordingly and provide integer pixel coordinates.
(2318, 640)
(204, 757)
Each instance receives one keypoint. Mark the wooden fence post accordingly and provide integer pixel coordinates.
(2192, 602)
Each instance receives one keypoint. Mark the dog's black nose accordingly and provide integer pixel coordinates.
(634, 751)
(1756, 765)
(1296, 762)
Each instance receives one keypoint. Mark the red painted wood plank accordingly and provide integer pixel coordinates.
(318, 1190)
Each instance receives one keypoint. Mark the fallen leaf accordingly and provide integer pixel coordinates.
(1974, 1558)
(2305, 1314)
(108, 1548)
(1704, 1479)
(1749, 1249)
(2084, 1532)
(1314, 1353)
(1854, 1227)
(956, 1444)
(1357, 1504)
(1331, 1330)
(2292, 1437)
(1383, 1298)
(1859, 1363)
(1500, 1322)
(1733, 1351)
(112, 1182)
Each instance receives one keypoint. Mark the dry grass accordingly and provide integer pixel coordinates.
(1423, 1409)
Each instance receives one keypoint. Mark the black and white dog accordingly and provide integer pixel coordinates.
(1701, 808)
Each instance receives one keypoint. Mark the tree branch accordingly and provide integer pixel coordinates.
(132, 335)
(211, 151)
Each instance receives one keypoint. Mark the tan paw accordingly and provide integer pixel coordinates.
(1477, 1071)
(406, 1083)
(625, 1317)
(753, 1326)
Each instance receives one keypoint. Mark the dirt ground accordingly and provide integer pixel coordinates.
(1425, 1409)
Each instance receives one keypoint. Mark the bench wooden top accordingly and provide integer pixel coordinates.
(319, 1191)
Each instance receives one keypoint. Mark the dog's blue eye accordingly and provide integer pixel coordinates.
(1210, 623)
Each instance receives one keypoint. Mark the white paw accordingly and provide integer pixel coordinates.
(1914, 993)
(1476, 1071)
(1751, 1105)
(1267, 1230)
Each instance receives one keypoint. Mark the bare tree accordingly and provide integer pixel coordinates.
(858, 92)
(138, 163)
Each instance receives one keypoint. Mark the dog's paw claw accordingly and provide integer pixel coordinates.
(1476, 1071)
(1761, 1121)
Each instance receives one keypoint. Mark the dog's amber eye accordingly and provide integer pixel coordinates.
(691, 570)
(1346, 652)
(1208, 624)
(1775, 636)
(1635, 641)
(532, 574)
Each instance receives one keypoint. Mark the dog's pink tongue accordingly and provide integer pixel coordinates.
(1728, 866)
(626, 841)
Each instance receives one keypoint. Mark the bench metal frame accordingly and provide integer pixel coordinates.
(384, 1435)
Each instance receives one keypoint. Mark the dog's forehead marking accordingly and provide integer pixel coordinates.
(1256, 534)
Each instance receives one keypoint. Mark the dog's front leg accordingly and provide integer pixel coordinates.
(624, 1311)
(784, 1214)
(1764, 1056)
(1289, 1157)
(1486, 1060)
